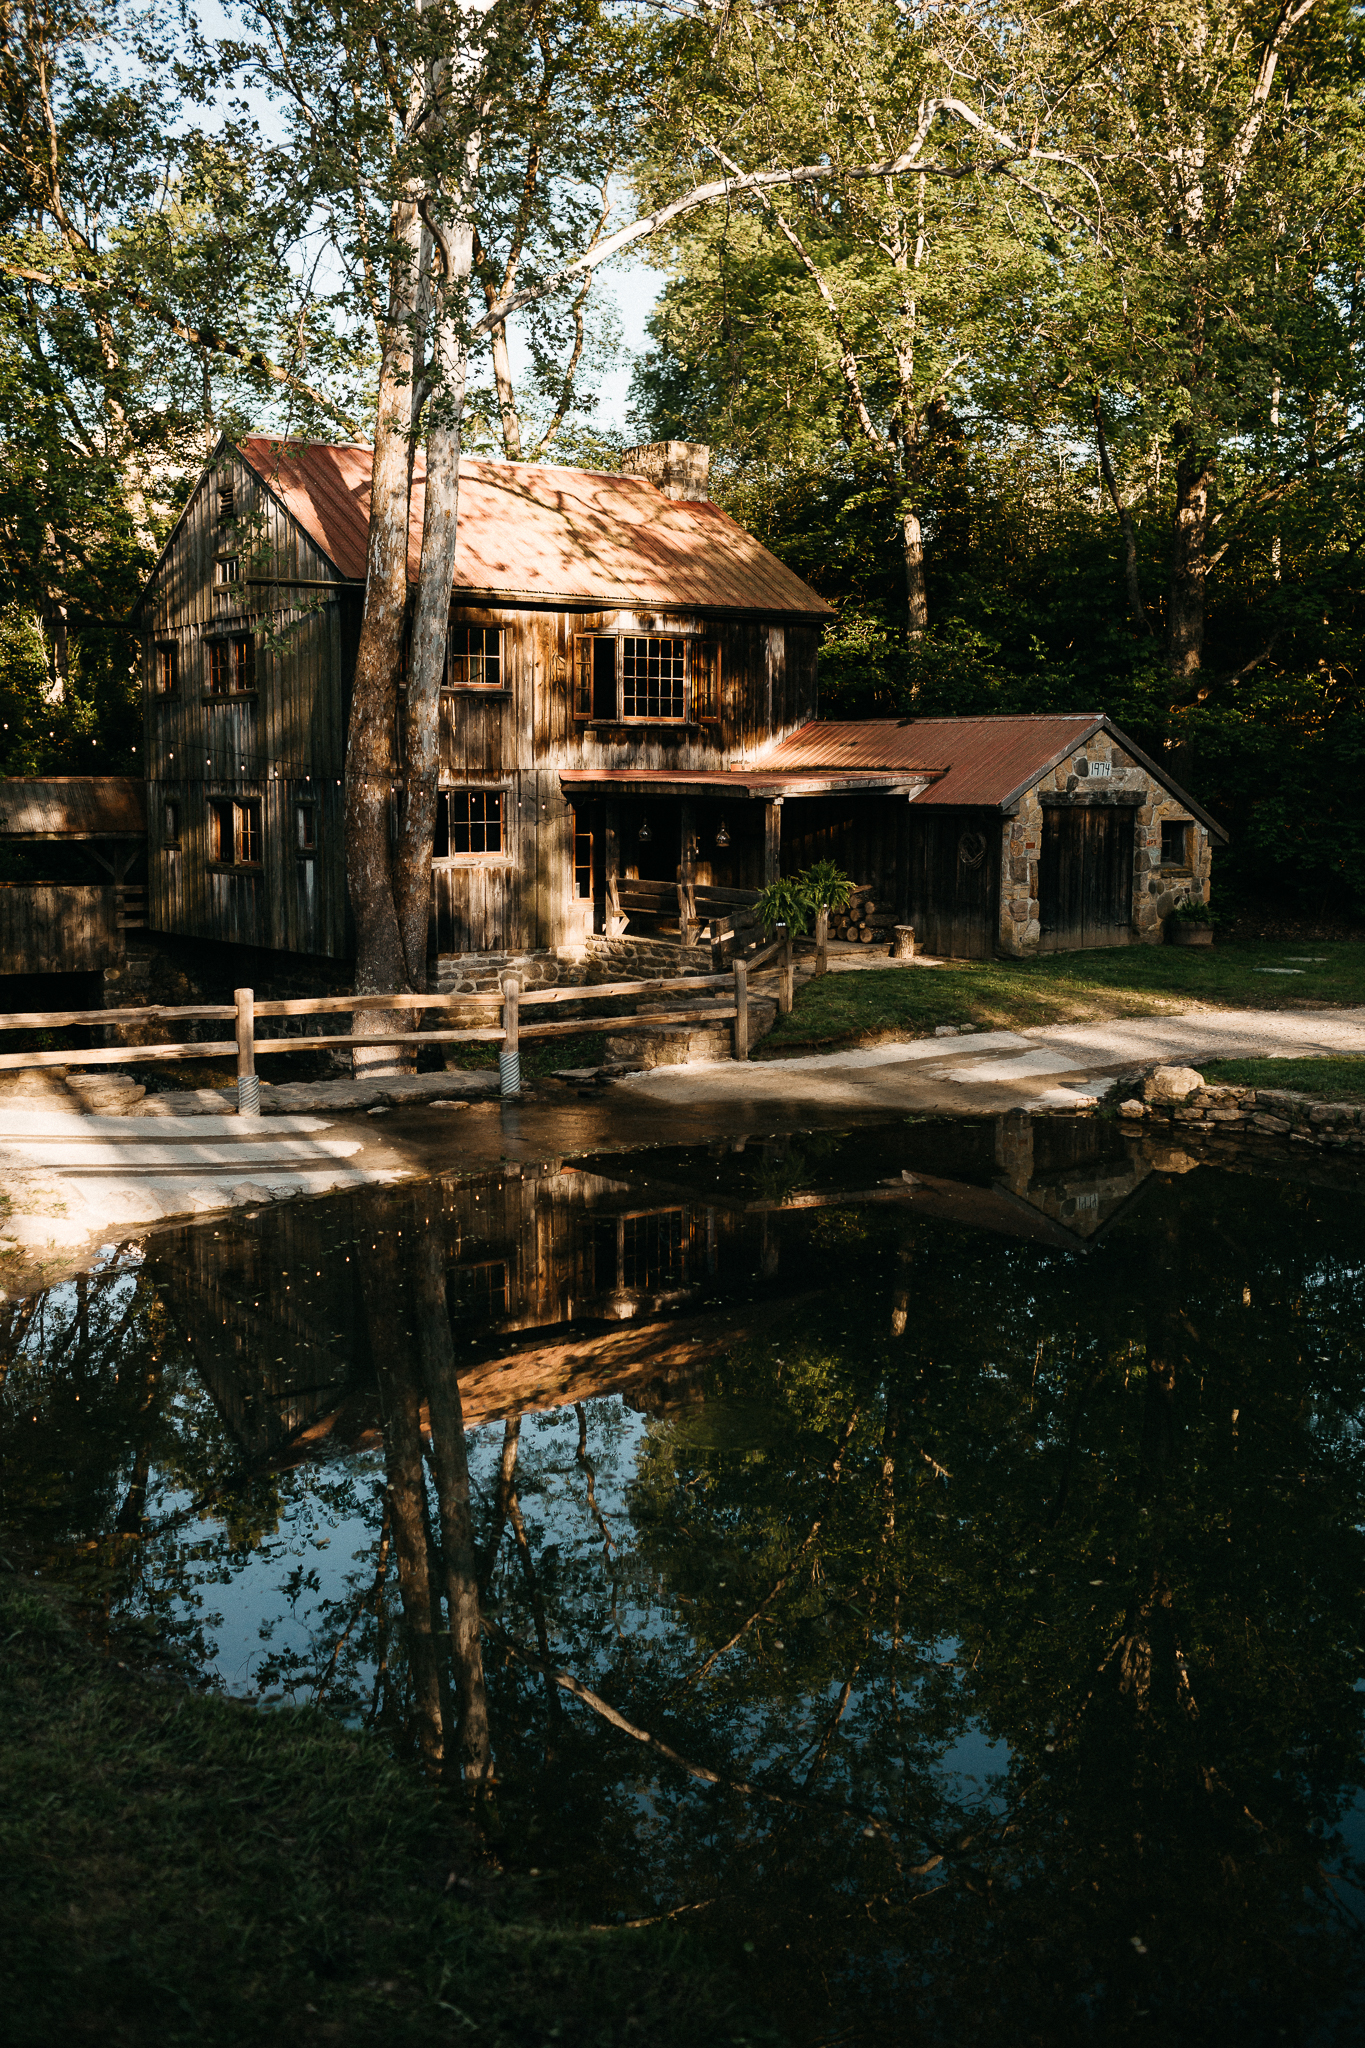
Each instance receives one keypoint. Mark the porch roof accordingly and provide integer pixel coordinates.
(73, 807)
(739, 784)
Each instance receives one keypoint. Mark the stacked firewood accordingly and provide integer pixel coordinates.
(865, 921)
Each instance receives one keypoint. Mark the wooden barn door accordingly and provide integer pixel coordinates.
(955, 881)
(1085, 877)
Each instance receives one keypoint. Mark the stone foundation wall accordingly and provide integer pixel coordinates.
(1156, 890)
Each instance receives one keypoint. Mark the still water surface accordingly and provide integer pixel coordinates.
(927, 1561)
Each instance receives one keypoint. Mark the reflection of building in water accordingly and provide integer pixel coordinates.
(275, 1311)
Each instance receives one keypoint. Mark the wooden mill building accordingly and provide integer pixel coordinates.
(630, 690)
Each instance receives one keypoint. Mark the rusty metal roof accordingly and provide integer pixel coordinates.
(532, 531)
(73, 807)
(973, 760)
(988, 762)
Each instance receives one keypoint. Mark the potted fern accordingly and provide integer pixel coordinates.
(1191, 923)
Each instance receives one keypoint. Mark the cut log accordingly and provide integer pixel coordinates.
(865, 936)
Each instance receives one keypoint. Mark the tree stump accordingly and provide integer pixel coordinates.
(903, 947)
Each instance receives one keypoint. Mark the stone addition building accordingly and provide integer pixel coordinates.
(1023, 836)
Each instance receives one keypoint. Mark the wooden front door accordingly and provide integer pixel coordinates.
(1085, 877)
(954, 892)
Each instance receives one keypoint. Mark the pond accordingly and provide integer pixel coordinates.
(925, 1561)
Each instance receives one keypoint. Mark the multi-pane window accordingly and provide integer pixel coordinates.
(1174, 843)
(235, 833)
(468, 821)
(582, 863)
(652, 677)
(659, 678)
(474, 658)
(232, 665)
(164, 667)
(650, 1251)
(228, 569)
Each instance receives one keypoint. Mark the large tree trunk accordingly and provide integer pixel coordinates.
(1137, 610)
(916, 595)
(431, 623)
(451, 1468)
(371, 744)
(1195, 475)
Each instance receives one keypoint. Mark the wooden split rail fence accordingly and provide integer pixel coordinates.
(507, 1034)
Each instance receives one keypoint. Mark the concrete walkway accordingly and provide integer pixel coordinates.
(1057, 1066)
(69, 1180)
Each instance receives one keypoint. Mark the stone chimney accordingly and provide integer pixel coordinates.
(679, 468)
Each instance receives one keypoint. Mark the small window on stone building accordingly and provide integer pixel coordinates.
(1175, 843)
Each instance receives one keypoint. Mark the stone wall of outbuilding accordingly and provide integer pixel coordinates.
(1156, 890)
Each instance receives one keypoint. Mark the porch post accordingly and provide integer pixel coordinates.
(611, 863)
(772, 839)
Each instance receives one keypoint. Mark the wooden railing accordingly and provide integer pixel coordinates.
(507, 1033)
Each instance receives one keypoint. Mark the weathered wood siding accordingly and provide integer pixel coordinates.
(282, 743)
(285, 741)
(57, 927)
(953, 892)
(523, 737)
(866, 835)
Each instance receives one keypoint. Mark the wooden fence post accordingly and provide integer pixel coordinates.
(248, 1087)
(509, 1055)
(786, 975)
(822, 939)
(741, 1011)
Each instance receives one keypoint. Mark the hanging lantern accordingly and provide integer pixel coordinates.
(722, 837)
(644, 835)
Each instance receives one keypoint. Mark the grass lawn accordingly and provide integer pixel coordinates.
(1066, 988)
(1332, 1080)
(177, 1869)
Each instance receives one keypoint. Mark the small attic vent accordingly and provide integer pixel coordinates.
(226, 502)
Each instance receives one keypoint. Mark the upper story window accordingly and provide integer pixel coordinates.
(170, 824)
(474, 658)
(306, 829)
(164, 668)
(1175, 843)
(232, 665)
(468, 821)
(227, 569)
(235, 833)
(646, 678)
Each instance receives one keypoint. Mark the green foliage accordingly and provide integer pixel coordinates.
(795, 900)
(1338, 1079)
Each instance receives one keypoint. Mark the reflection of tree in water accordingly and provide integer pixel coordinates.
(992, 1624)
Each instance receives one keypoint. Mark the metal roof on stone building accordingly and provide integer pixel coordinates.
(73, 807)
(983, 762)
(530, 531)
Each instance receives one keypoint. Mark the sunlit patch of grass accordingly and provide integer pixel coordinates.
(1336, 1079)
(1065, 988)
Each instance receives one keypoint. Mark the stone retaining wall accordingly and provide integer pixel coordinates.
(1227, 1112)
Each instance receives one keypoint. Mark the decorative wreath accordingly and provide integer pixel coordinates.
(971, 849)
